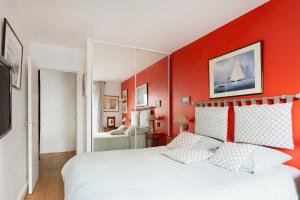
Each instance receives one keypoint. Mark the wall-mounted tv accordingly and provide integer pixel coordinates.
(5, 97)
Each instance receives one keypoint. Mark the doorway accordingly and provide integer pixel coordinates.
(57, 111)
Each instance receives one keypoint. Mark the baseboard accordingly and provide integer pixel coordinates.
(23, 192)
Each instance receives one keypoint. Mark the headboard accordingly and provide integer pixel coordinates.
(143, 114)
(295, 153)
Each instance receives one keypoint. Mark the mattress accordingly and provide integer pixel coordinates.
(146, 174)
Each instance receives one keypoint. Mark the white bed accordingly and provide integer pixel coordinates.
(103, 141)
(146, 174)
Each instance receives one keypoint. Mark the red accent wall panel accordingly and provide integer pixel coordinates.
(276, 24)
(156, 76)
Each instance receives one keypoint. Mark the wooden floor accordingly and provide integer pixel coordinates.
(50, 184)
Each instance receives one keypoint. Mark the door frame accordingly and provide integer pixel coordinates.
(78, 135)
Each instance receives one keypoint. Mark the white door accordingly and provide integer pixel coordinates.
(33, 137)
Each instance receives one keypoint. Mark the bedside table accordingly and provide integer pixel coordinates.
(170, 138)
(153, 139)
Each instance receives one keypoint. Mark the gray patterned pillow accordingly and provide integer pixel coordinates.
(269, 125)
(232, 155)
(212, 121)
(187, 155)
(184, 140)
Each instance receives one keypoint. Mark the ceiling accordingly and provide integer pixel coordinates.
(164, 25)
(112, 63)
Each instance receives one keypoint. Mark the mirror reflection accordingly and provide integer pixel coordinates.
(130, 101)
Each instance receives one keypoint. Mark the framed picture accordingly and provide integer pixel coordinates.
(12, 51)
(236, 73)
(111, 122)
(142, 95)
(124, 108)
(124, 95)
(158, 103)
(110, 103)
(186, 100)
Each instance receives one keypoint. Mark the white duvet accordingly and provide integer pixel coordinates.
(145, 174)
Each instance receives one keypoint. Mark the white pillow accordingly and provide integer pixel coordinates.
(134, 118)
(123, 128)
(208, 143)
(130, 131)
(144, 118)
(263, 158)
(231, 155)
(269, 125)
(187, 155)
(184, 140)
(212, 121)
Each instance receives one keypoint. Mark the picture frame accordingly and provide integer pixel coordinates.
(142, 95)
(111, 122)
(158, 103)
(237, 73)
(124, 95)
(186, 100)
(110, 103)
(124, 108)
(12, 51)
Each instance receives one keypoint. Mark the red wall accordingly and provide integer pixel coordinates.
(277, 24)
(156, 76)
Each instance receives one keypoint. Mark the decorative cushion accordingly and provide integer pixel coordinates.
(188, 155)
(208, 143)
(263, 158)
(184, 140)
(212, 122)
(123, 128)
(116, 132)
(231, 155)
(269, 125)
(130, 131)
(144, 118)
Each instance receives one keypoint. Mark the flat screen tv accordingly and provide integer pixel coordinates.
(5, 97)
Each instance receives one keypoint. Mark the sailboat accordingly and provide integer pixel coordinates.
(237, 73)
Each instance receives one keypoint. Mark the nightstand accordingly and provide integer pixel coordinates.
(107, 129)
(170, 138)
(153, 139)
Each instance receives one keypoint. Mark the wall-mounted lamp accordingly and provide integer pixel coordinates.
(182, 121)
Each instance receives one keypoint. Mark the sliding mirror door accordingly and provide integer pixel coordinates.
(152, 98)
(113, 68)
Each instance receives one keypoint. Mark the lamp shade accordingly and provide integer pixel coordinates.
(124, 119)
(151, 117)
(181, 119)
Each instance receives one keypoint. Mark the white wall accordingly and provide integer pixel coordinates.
(13, 147)
(58, 111)
(113, 88)
(56, 57)
(65, 59)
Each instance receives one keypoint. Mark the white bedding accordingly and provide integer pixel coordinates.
(146, 174)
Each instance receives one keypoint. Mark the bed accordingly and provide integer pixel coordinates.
(130, 176)
(104, 141)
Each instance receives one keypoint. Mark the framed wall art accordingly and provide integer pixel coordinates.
(236, 73)
(12, 51)
(110, 103)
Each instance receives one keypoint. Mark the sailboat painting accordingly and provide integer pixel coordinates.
(236, 73)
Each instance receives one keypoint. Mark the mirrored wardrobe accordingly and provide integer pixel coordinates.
(130, 98)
